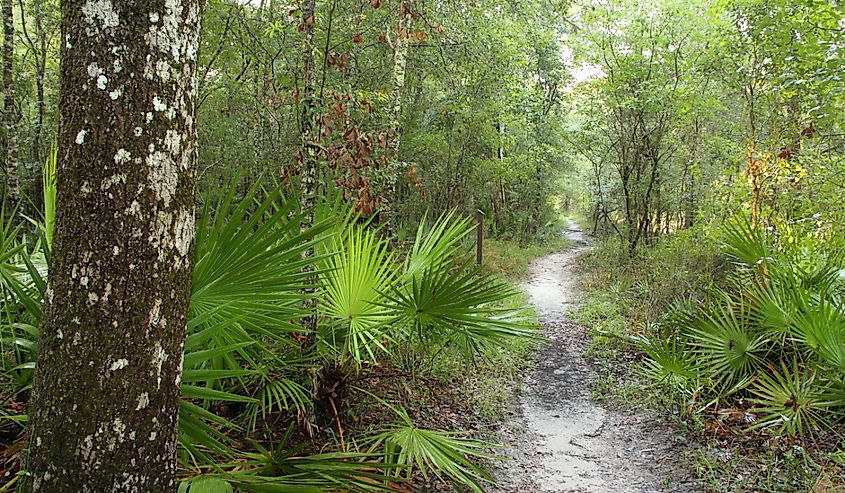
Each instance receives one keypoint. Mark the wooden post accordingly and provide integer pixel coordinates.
(479, 237)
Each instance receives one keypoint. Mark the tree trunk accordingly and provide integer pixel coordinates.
(309, 162)
(104, 411)
(10, 120)
(310, 114)
(400, 63)
(41, 70)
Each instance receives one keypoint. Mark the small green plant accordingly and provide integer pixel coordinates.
(446, 455)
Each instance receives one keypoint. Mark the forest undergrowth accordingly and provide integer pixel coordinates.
(412, 365)
(727, 332)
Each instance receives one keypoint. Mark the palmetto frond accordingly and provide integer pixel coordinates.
(745, 244)
(725, 343)
(821, 329)
(670, 363)
(249, 267)
(446, 455)
(461, 306)
(284, 468)
(23, 281)
(789, 399)
(439, 246)
(354, 279)
(247, 299)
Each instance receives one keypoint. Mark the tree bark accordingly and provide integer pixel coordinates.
(104, 411)
(400, 64)
(41, 71)
(310, 114)
(38, 47)
(309, 162)
(10, 120)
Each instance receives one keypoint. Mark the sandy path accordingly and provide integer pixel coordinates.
(560, 439)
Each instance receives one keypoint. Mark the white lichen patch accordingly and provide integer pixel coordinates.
(158, 105)
(168, 36)
(184, 232)
(163, 70)
(114, 180)
(159, 357)
(155, 313)
(94, 70)
(143, 401)
(114, 95)
(80, 137)
(100, 14)
(122, 156)
(173, 142)
(164, 176)
(178, 380)
(87, 448)
(102, 82)
(119, 364)
(134, 208)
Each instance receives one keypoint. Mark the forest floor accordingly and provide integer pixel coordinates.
(558, 438)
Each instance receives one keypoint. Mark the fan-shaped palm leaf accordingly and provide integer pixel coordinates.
(670, 363)
(441, 245)
(249, 268)
(447, 455)
(821, 328)
(744, 244)
(726, 344)
(462, 306)
(790, 400)
(353, 279)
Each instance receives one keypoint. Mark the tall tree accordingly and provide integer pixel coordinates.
(400, 63)
(10, 119)
(310, 123)
(104, 411)
(309, 162)
(40, 74)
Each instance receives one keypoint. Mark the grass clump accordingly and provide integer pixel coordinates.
(511, 259)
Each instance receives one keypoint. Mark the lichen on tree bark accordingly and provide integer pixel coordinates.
(104, 412)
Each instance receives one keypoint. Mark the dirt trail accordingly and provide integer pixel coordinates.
(558, 438)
